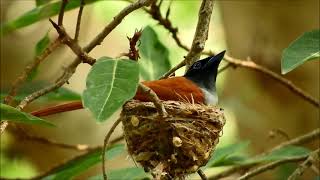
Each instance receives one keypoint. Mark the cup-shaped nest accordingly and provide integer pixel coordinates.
(175, 145)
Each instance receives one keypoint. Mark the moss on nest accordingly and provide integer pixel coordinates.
(171, 146)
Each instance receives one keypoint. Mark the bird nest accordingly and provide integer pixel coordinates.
(175, 145)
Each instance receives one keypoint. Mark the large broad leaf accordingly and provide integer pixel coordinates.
(132, 173)
(224, 155)
(154, 60)
(110, 84)
(306, 47)
(79, 165)
(61, 94)
(39, 13)
(9, 113)
(39, 49)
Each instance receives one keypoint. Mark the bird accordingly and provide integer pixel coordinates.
(197, 85)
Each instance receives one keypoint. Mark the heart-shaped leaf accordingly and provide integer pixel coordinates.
(305, 48)
(110, 83)
(154, 60)
(9, 113)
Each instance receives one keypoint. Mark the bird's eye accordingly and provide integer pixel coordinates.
(197, 65)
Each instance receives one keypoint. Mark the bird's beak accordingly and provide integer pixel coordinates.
(215, 60)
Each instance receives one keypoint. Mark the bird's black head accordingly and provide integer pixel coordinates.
(204, 72)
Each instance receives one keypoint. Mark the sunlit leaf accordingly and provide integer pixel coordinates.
(154, 60)
(305, 48)
(9, 113)
(109, 84)
(132, 173)
(221, 155)
(39, 13)
(79, 165)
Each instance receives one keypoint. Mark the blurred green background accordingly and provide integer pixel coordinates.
(254, 103)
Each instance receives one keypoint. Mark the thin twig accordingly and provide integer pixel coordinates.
(313, 156)
(61, 12)
(271, 165)
(77, 32)
(305, 138)
(154, 98)
(295, 89)
(202, 175)
(105, 146)
(201, 34)
(24, 75)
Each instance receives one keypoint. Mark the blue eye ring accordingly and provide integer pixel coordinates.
(197, 65)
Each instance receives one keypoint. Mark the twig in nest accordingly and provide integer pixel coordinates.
(280, 132)
(105, 145)
(313, 156)
(202, 175)
(154, 98)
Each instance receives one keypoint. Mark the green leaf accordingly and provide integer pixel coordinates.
(61, 94)
(79, 165)
(109, 84)
(224, 154)
(42, 2)
(305, 48)
(9, 113)
(39, 13)
(42, 44)
(132, 173)
(154, 60)
(285, 152)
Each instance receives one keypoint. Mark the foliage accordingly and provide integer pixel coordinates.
(133, 173)
(305, 48)
(110, 83)
(9, 113)
(154, 60)
(78, 165)
(38, 13)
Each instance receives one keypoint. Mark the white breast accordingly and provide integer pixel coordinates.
(210, 98)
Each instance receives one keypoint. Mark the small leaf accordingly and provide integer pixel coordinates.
(109, 84)
(61, 94)
(79, 165)
(42, 44)
(132, 173)
(305, 48)
(39, 13)
(154, 60)
(222, 154)
(9, 113)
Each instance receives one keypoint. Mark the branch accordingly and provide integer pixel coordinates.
(202, 175)
(270, 166)
(76, 34)
(105, 146)
(305, 138)
(295, 89)
(313, 156)
(116, 21)
(201, 34)
(61, 12)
